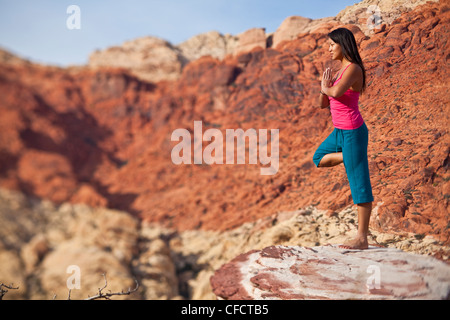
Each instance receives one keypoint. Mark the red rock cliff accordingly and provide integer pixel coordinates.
(103, 136)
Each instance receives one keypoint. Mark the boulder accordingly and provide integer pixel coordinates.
(250, 39)
(210, 43)
(329, 272)
(150, 58)
(289, 29)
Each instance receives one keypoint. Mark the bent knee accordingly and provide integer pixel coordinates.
(317, 158)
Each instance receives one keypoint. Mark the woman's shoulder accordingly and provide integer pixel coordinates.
(353, 70)
(354, 67)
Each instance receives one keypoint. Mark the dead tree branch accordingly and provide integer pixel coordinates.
(4, 287)
(107, 296)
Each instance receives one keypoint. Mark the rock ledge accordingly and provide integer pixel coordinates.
(329, 272)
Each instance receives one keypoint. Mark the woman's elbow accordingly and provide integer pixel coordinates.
(324, 104)
(336, 94)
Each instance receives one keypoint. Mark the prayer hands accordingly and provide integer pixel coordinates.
(326, 79)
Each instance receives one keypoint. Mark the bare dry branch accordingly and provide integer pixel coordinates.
(107, 296)
(4, 287)
(101, 295)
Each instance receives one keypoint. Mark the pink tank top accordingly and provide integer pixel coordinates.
(345, 110)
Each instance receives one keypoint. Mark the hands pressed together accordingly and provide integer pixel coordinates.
(327, 79)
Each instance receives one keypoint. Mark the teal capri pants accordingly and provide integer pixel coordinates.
(353, 145)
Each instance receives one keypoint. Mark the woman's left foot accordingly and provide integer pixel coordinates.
(356, 244)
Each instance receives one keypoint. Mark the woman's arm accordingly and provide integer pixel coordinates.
(327, 82)
(350, 76)
(323, 101)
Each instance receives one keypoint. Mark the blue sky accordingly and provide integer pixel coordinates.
(36, 29)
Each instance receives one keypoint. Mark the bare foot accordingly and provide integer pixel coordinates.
(356, 244)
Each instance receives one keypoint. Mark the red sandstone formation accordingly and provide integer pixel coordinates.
(103, 136)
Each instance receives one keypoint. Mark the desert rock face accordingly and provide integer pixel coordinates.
(153, 59)
(368, 15)
(102, 137)
(108, 133)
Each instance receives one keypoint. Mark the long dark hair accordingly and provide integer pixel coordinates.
(346, 40)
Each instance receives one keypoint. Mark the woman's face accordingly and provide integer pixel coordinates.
(335, 50)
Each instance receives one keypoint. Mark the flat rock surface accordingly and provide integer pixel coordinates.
(329, 272)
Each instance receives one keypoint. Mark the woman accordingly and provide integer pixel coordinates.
(348, 142)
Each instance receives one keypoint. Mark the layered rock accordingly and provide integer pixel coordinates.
(211, 43)
(251, 39)
(370, 15)
(289, 29)
(280, 272)
(9, 58)
(153, 59)
(150, 58)
(46, 246)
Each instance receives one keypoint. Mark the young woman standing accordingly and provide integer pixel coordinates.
(348, 142)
